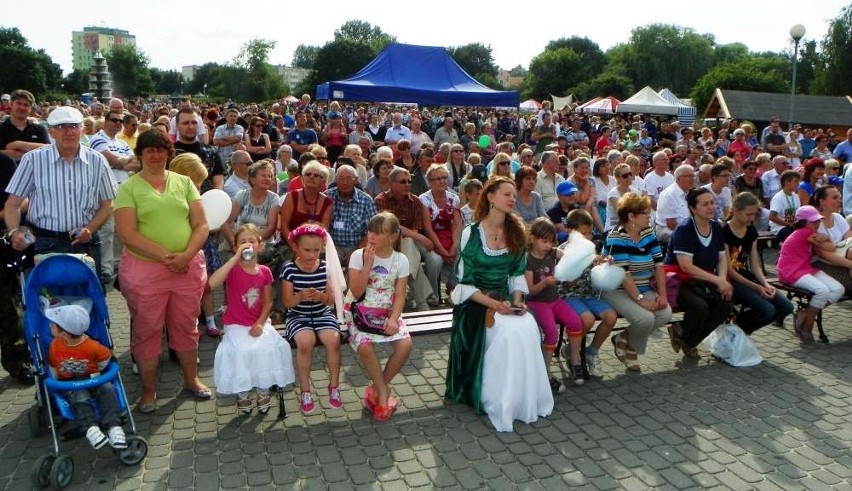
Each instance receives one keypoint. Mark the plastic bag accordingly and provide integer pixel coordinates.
(730, 344)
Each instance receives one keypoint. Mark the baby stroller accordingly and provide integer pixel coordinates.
(64, 277)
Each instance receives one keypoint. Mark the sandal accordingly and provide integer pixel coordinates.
(631, 361)
(147, 407)
(245, 405)
(675, 333)
(620, 347)
(264, 403)
(804, 335)
(691, 353)
(202, 393)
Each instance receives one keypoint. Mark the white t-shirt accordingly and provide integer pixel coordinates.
(655, 183)
(639, 185)
(835, 233)
(672, 204)
(771, 183)
(785, 206)
(356, 261)
(611, 211)
(202, 128)
(723, 200)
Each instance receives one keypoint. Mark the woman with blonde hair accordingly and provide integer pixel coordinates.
(501, 166)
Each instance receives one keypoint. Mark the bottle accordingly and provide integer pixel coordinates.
(247, 253)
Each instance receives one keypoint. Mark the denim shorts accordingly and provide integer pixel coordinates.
(595, 305)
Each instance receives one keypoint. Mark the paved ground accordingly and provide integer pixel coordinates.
(786, 424)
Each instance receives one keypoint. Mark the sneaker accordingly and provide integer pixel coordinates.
(96, 437)
(433, 300)
(556, 386)
(264, 403)
(306, 403)
(593, 363)
(577, 374)
(245, 405)
(334, 397)
(117, 439)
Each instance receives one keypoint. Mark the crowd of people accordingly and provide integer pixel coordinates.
(343, 217)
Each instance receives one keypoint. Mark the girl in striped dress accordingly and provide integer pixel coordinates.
(308, 299)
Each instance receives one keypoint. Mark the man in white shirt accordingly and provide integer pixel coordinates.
(418, 137)
(397, 131)
(672, 209)
(659, 178)
(771, 179)
(202, 136)
(548, 179)
(227, 136)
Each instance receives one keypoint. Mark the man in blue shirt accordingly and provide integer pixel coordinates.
(352, 208)
(301, 136)
(843, 150)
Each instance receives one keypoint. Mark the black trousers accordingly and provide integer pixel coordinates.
(703, 310)
(12, 345)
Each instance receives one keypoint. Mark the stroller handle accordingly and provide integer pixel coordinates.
(108, 375)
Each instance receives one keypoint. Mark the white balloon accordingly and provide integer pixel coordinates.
(607, 277)
(577, 255)
(217, 207)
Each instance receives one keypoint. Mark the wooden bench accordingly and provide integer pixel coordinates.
(802, 298)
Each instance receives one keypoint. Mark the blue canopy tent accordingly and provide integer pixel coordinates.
(416, 74)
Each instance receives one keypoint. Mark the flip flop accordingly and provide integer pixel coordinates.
(384, 413)
(620, 348)
(370, 399)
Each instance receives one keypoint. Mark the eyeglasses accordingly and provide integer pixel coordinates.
(457, 150)
(439, 178)
(627, 174)
(313, 175)
(404, 181)
(66, 126)
(114, 120)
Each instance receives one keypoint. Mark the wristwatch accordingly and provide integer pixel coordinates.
(640, 297)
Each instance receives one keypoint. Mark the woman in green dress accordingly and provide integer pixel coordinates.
(496, 364)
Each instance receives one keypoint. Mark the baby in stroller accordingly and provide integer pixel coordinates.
(75, 356)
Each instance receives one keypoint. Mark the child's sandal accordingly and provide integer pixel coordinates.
(371, 400)
(384, 413)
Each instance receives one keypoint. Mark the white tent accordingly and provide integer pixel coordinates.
(561, 102)
(530, 105)
(647, 101)
(606, 105)
(685, 112)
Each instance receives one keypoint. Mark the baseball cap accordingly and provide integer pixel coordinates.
(566, 188)
(73, 319)
(808, 213)
(5, 97)
(64, 115)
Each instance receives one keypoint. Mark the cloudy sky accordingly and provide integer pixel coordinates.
(176, 33)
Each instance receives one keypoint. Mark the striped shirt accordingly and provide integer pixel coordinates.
(62, 196)
(637, 258)
(302, 281)
(101, 141)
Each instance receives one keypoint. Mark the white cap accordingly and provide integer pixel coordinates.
(72, 319)
(64, 115)
(5, 97)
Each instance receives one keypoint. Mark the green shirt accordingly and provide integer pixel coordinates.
(160, 217)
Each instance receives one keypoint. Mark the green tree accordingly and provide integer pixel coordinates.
(834, 73)
(663, 55)
(26, 68)
(726, 53)
(209, 75)
(359, 30)
(304, 56)
(564, 63)
(518, 71)
(168, 81)
(263, 82)
(129, 72)
(476, 59)
(758, 74)
(76, 83)
(608, 83)
(338, 59)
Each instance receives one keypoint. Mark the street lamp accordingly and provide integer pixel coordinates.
(797, 32)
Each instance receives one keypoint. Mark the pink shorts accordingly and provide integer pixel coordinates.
(158, 299)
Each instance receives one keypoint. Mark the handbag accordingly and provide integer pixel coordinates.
(842, 247)
(369, 319)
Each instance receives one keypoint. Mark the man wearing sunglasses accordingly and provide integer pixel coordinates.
(122, 161)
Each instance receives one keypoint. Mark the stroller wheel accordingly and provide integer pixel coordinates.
(35, 417)
(40, 472)
(136, 451)
(62, 471)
